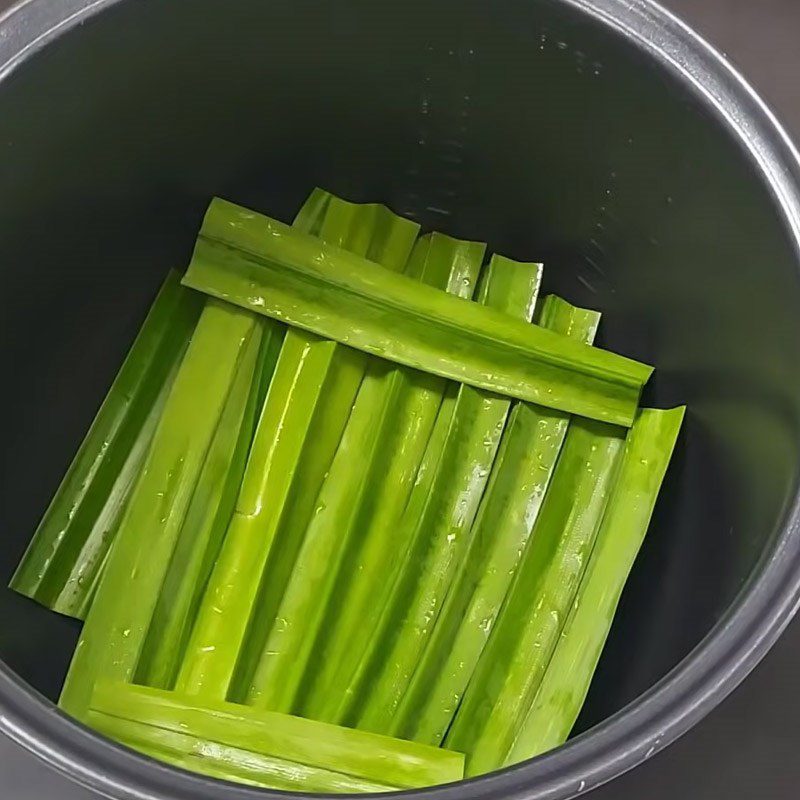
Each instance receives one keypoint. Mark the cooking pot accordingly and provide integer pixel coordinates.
(600, 136)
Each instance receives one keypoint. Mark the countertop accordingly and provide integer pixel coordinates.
(747, 748)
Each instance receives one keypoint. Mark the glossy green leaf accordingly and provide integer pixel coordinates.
(117, 623)
(648, 449)
(358, 506)
(76, 597)
(381, 759)
(309, 218)
(268, 267)
(305, 411)
(206, 521)
(61, 566)
(512, 664)
(520, 476)
(275, 500)
(378, 550)
(438, 517)
(227, 763)
(223, 762)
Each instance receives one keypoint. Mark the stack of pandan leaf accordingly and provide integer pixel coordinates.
(348, 520)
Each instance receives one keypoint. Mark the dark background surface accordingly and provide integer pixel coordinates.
(747, 748)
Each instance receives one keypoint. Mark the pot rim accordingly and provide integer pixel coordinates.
(753, 623)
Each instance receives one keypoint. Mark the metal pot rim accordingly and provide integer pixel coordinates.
(703, 679)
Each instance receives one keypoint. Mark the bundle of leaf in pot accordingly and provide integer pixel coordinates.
(348, 519)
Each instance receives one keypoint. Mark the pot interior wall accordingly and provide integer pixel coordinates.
(523, 124)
